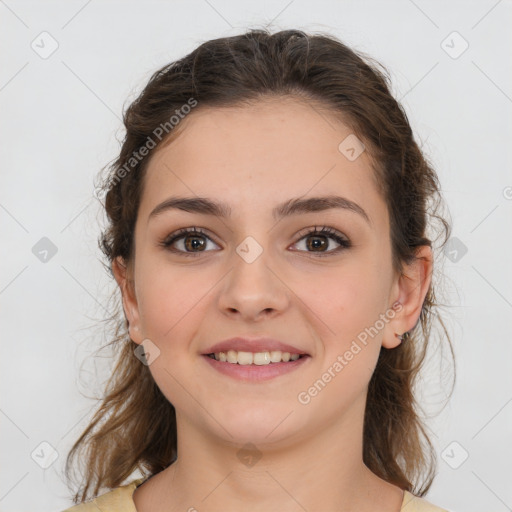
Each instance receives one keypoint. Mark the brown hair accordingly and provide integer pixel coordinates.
(135, 425)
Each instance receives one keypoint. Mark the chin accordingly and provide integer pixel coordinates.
(263, 424)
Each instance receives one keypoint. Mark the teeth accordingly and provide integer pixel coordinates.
(257, 358)
(243, 357)
(261, 358)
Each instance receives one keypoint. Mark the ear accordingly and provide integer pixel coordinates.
(130, 306)
(409, 291)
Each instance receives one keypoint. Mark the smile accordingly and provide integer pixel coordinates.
(257, 358)
(255, 367)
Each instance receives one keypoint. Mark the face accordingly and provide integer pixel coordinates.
(253, 274)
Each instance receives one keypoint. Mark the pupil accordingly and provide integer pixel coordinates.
(196, 243)
(317, 242)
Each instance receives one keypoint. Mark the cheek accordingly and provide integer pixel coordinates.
(171, 304)
(342, 297)
(347, 303)
(171, 300)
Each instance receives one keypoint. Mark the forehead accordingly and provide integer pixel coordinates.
(261, 155)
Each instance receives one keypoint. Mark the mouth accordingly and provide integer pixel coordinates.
(250, 367)
(255, 358)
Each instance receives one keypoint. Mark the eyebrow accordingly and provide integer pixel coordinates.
(206, 206)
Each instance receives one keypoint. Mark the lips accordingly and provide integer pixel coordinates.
(253, 345)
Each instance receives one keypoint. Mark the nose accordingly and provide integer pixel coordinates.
(253, 289)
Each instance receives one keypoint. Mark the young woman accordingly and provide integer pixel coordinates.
(268, 218)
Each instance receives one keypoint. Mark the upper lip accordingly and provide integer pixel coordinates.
(253, 345)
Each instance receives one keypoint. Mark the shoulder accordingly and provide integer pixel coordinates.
(116, 500)
(412, 503)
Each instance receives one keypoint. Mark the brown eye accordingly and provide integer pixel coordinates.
(318, 241)
(193, 242)
(188, 241)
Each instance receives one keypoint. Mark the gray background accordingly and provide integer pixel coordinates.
(60, 124)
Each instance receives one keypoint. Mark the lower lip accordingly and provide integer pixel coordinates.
(254, 372)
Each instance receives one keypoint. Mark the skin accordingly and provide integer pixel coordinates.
(253, 158)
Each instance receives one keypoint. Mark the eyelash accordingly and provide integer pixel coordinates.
(324, 230)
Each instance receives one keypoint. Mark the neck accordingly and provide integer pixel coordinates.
(322, 471)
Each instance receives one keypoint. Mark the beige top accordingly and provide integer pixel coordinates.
(120, 500)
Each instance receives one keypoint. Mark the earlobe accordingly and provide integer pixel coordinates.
(412, 288)
(130, 307)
